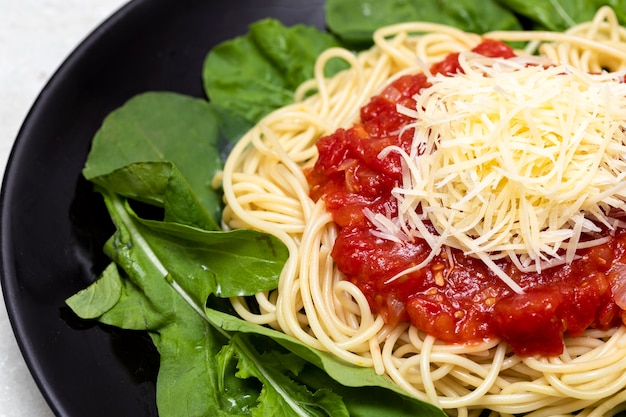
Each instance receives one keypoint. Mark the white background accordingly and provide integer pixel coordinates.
(35, 37)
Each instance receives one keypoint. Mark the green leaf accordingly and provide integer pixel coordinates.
(186, 343)
(354, 21)
(191, 381)
(100, 297)
(160, 184)
(281, 394)
(295, 53)
(478, 17)
(559, 15)
(227, 264)
(160, 127)
(251, 75)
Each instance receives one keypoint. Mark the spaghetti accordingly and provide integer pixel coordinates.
(265, 188)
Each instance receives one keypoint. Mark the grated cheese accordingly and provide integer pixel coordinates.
(512, 160)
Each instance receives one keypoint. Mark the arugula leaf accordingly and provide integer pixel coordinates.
(161, 127)
(189, 379)
(559, 15)
(208, 364)
(100, 297)
(227, 264)
(354, 21)
(281, 394)
(249, 76)
(160, 184)
(306, 41)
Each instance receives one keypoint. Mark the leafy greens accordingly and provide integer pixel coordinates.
(249, 76)
(559, 15)
(208, 358)
(172, 270)
(354, 21)
(161, 148)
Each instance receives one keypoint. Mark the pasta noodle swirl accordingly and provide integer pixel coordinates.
(265, 189)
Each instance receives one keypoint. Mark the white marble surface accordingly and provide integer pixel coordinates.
(35, 37)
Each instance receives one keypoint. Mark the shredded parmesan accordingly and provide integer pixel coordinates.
(512, 159)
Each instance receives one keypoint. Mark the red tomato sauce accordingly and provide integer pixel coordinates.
(455, 298)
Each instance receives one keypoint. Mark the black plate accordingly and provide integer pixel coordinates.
(53, 226)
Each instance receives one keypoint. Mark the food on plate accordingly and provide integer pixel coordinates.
(453, 209)
(435, 225)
